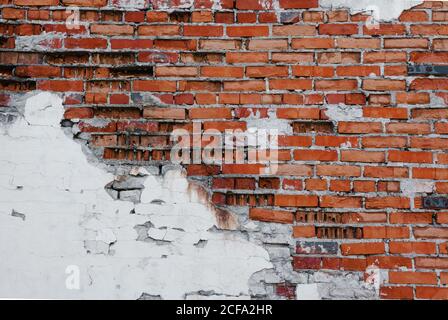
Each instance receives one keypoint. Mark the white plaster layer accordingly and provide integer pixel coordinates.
(410, 187)
(384, 10)
(43, 41)
(307, 292)
(45, 176)
(343, 112)
(132, 4)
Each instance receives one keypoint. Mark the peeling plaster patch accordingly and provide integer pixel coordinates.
(410, 187)
(139, 172)
(438, 101)
(43, 41)
(386, 10)
(216, 5)
(77, 222)
(169, 6)
(343, 285)
(266, 4)
(346, 145)
(307, 292)
(131, 4)
(283, 126)
(147, 98)
(343, 112)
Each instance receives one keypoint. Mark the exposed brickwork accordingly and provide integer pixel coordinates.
(342, 184)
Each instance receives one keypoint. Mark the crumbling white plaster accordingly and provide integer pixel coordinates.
(132, 4)
(340, 285)
(343, 112)
(43, 41)
(410, 187)
(216, 5)
(384, 10)
(282, 126)
(173, 244)
(169, 6)
(307, 292)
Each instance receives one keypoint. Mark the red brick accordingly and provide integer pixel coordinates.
(38, 71)
(267, 215)
(303, 232)
(384, 85)
(13, 14)
(430, 233)
(366, 248)
(410, 157)
(155, 85)
(412, 247)
(203, 31)
(290, 84)
(384, 57)
(132, 44)
(360, 127)
(358, 71)
(246, 57)
(210, 113)
(164, 113)
(283, 200)
(336, 85)
(413, 16)
(432, 293)
(311, 71)
(338, 29)
(353, 43)
(312, 43)
(39, 2)
(265, 72)
(385, 29)
(338, 171)
(387, 202)
(390, 262)
(294, 30)
(298, 4)
(85, 43)
(315, 155)
(339, 202)
(111, 29)
(78, 113)
(362, 156)
(385, 232)
(61, 85)
(300, 263)
(247, 31)
(222, 72)
(406, 43)
(176, 71)
(404, 293)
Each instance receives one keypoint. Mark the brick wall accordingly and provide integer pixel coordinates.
(363, 140)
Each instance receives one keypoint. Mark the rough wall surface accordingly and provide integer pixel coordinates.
(354, 208)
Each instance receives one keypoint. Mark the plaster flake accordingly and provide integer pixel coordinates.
(72, 221)
(131, 4)
(307, 292)
(344, 112)
(383, 10)
(410, 187)
(43, 41)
